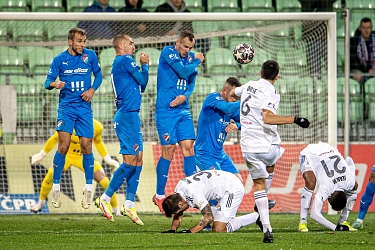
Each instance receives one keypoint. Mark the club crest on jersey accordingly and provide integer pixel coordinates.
(136, 147)
(59, 123)
(166, 137)
(85, 58)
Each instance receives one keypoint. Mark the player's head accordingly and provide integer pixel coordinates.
(229, 84)
(76, 41)
(337, 200)
(270, 70)
(123, 45)
(174, 204)
(365, 27)
(185, 42)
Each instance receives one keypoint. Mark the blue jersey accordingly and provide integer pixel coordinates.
(215, 116)
(128, 82)
(176, 76)
(76, 72)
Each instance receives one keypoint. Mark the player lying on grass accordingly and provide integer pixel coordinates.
(323, 164)
(196, 190)
(74, 158)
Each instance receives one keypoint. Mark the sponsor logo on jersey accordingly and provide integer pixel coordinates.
(66, 63)
(85, 58)
(223, 122)
(59, 123)
(173, 57)
(329, 152)
(136, 147)
(134, 64)
(78, 70)
(166, 137)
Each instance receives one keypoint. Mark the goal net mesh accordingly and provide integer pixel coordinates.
(27, 48)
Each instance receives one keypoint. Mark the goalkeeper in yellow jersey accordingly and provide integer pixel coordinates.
(74, 158)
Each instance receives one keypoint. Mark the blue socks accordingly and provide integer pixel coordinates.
(58, 167)
(121, 174)
(162, 175)
(189, 165)
(366, 200)
(88, 166)
(132, 184)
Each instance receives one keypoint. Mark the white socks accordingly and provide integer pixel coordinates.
(238, 222)
(306, 197)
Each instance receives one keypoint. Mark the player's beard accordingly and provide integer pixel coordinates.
(75, 51)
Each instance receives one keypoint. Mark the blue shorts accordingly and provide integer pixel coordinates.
(128, 129)
(75, 116)
(174, 125)
(223, 162)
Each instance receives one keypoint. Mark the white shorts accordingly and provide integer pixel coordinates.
(257, 162)
(228, 205)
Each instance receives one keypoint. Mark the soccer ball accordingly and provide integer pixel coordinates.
(243, 53)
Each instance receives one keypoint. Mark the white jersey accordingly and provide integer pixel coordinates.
(206, 185)
(332, 172)
(257, 137)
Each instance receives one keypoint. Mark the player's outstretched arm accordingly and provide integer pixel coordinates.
(316, 214)
(207, 218)
(270, 118)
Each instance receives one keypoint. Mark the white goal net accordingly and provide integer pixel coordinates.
(302, 43)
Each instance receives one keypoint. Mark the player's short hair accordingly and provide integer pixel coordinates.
(170, 204)
(270, 69)
(117, 39)
(233, 82)
(337, 200)
(186, 33)
(74, 31)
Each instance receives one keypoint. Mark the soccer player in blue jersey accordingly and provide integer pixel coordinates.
(366, 201)
(214, 123)
(177, 71)
(129, 82)
(74, 68)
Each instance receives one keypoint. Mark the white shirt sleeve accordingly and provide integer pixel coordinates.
(271, 103)
(315, 214)
(238, 90)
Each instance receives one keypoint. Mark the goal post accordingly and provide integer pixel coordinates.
(304, 44)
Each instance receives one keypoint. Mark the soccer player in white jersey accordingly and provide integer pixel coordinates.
(196, 190)
(323, 164)
(260, 141)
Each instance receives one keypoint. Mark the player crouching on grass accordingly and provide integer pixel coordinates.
(323, 164)
(196, 190)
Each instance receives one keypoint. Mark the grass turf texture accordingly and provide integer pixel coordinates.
(84, 231)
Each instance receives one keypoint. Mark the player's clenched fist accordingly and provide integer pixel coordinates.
(302, 122)
(199, 56)
(57, 85)
(144, 58)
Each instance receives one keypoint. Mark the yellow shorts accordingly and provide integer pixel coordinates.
(76, 161)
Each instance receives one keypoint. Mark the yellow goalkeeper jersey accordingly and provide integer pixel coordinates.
(75, 147)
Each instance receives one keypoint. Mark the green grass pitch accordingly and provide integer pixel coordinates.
(87, 231)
